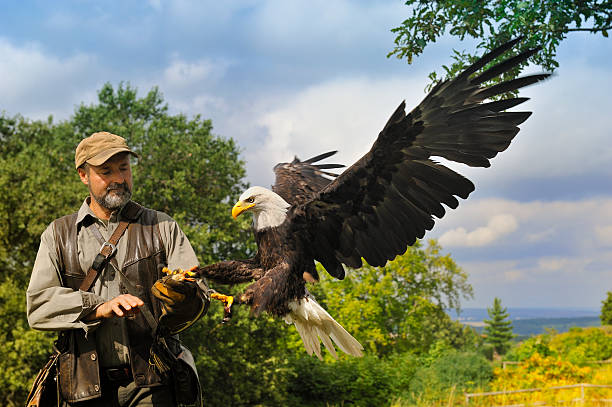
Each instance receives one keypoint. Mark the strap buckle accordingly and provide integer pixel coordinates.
(112, 247)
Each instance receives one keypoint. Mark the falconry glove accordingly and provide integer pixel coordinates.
(184, 300)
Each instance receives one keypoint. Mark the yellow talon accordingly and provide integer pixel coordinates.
(227, 301)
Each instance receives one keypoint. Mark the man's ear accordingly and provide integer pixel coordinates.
(83, 175)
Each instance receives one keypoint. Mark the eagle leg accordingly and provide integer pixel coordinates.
(227, 301)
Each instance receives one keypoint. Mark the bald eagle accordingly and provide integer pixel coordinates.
(377, 207)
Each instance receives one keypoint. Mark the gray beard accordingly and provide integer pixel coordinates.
(115, 197)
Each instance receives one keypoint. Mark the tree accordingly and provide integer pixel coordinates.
(545, 23)
(606, 310)
(498, 329)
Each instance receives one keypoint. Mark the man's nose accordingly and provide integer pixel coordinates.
(118, 177)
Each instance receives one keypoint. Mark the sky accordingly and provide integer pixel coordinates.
(287, 78)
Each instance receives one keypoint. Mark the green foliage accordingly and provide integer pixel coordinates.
(498, 329)
(35, 163)
(401, 306)
(366, 381)
(459, 371)
(19, 344)
(248, 355)
(543, 23)
(583, 345)
(536, 344)
(606, 310)
(578, 346)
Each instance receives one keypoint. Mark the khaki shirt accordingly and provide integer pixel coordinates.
(51, 307)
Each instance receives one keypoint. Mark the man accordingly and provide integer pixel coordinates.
(107, 352)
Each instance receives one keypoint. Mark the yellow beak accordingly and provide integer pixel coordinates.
(240, 207)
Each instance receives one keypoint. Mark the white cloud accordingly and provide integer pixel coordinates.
(343, 114)
(318, 22)
(37, 84)
(552, 263)
(604, 234)
(181, 74)
(558, 255)
(498, 226)
(540, 281)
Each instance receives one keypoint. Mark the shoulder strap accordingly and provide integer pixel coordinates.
(131, 211)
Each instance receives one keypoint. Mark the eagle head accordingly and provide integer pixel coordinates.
(267, 207)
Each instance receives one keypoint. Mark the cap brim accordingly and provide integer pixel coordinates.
(106, 154)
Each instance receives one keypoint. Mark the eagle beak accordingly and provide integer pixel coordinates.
(240, 207)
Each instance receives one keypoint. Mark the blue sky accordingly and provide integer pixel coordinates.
(289, 77)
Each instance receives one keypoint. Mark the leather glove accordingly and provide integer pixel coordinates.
(183, 301)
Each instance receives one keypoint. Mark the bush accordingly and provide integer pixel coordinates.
(460, 370)
(365, 381)
(540, 371)
(539, 344)
(583, 345)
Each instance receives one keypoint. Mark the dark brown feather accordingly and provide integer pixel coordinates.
(298, 181)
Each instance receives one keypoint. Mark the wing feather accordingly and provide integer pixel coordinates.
(299, 181)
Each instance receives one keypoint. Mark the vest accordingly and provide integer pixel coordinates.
(79, 372)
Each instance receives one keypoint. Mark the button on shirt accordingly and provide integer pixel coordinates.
(53, 307)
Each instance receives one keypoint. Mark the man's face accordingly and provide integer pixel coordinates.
(110, 184)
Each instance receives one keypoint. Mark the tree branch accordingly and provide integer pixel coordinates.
(588, 29)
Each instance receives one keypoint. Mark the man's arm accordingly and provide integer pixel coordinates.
(50, 306)
(179, 252)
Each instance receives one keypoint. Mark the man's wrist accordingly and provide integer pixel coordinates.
(94, 315)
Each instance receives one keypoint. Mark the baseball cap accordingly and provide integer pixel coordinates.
(99, 147)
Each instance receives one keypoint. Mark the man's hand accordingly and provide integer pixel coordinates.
(125, 305)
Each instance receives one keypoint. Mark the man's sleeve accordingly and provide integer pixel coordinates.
(50, 306)
(179, 252)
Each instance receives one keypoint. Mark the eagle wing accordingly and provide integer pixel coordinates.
(298, 181)
(387, 199)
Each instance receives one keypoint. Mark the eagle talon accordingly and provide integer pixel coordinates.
(227, 301)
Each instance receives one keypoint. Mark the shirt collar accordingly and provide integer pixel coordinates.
(85, 212)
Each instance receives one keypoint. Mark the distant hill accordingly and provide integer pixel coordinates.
(535, 326)
(479, 314)
(534, 321)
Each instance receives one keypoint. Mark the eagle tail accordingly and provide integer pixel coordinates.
(313, 323)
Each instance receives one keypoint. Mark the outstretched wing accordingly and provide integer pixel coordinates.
(299, 181)
(387, 199)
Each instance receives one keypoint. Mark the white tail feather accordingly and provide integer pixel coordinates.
(313, 322)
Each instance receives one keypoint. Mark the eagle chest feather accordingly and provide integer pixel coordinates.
(276, 246)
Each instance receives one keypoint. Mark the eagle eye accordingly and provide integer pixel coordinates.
(250, 200)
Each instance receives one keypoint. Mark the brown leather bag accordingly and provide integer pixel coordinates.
(44, 391)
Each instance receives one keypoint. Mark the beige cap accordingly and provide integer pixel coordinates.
(99, 147)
